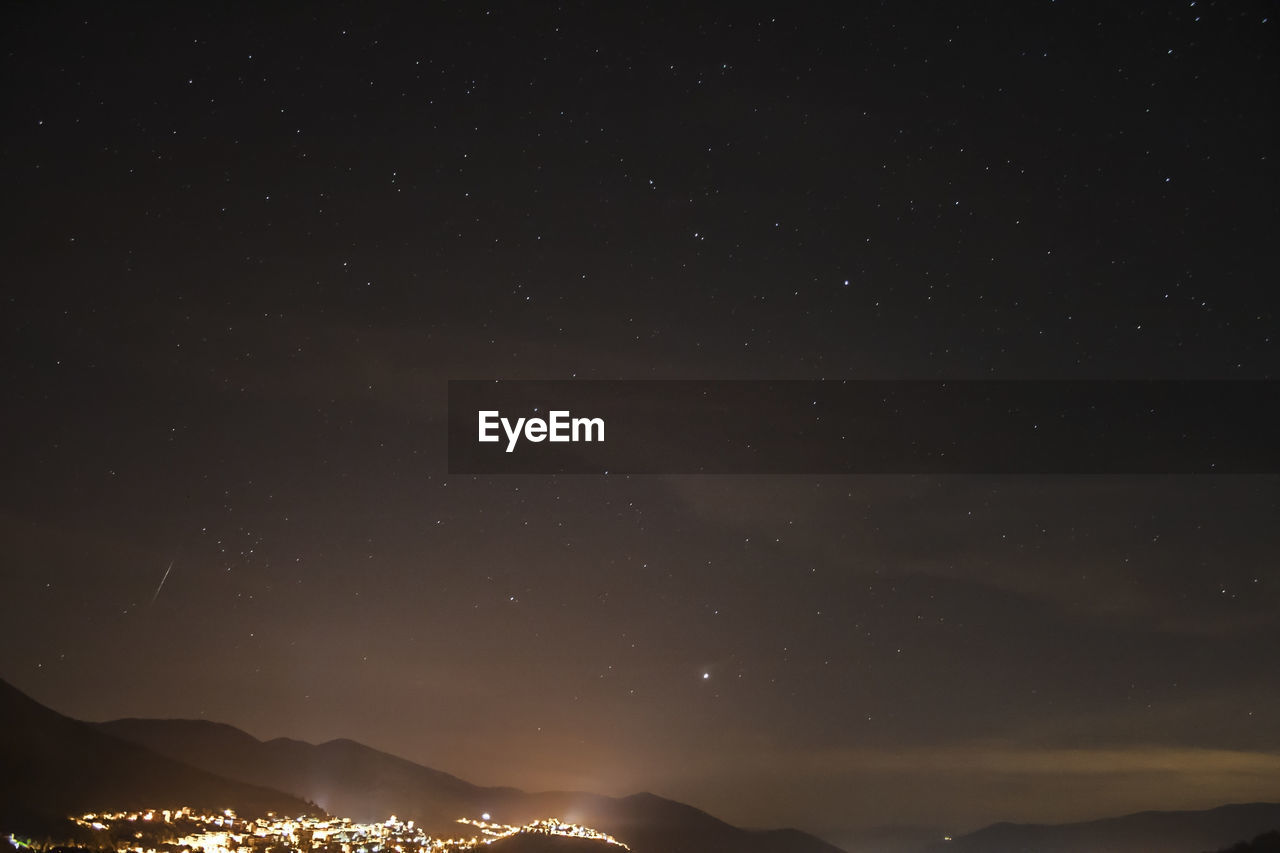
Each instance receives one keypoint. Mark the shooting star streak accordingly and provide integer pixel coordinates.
(162, 580)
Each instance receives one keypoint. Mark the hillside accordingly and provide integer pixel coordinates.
(52, 766)
(1266, 843)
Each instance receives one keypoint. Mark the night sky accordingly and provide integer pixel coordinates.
(244, 252)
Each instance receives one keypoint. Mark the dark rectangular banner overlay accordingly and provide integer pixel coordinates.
(863, 427)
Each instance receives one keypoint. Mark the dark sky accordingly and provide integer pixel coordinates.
(245, 251)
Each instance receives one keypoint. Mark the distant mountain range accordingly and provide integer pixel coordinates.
(344, 777)
(356, 781)
(1145, 832)
(52, 766)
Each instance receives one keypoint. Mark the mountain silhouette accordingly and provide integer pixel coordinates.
(52, 766)
(1144, 832)
(1266, 843)
(357, 781)
(346, 778)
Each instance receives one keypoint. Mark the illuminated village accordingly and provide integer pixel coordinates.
(185, 829)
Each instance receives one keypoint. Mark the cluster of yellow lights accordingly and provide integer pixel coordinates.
(549, 826)
(223, 832)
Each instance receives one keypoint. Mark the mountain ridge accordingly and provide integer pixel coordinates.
(55, 766)
(355, 780)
